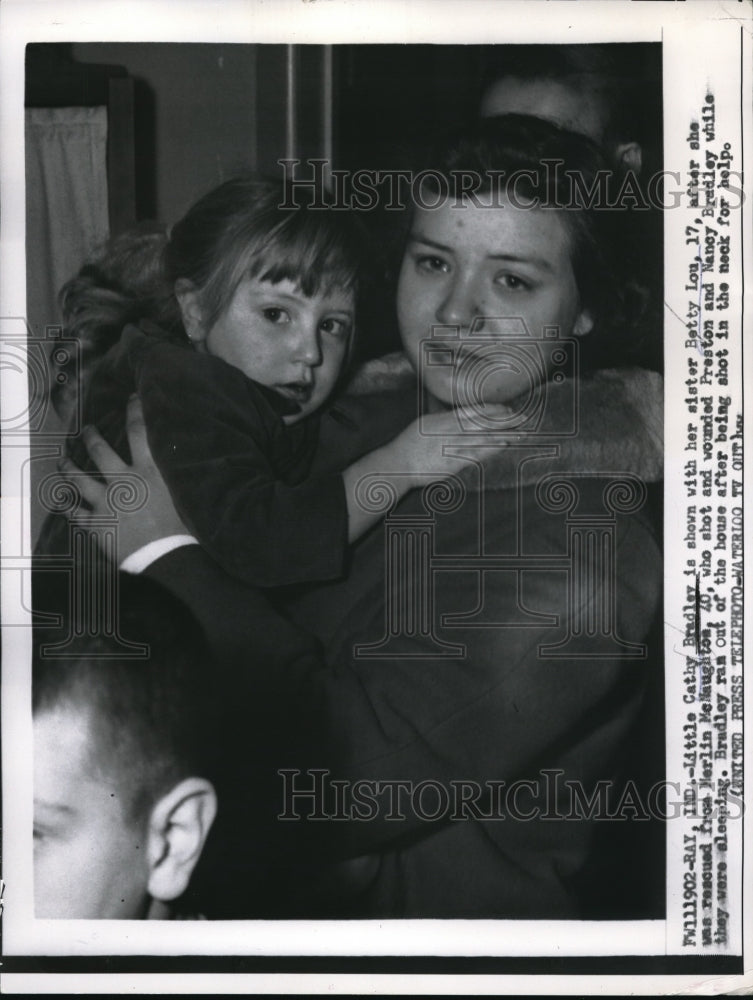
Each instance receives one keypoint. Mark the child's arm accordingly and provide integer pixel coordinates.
(210, 439)
(218, 442)
(411, 460)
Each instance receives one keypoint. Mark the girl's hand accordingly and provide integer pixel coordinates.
(410, 461)
(149, 521)
(421, 446)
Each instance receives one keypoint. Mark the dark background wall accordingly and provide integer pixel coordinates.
(203, 112)
(196, 116)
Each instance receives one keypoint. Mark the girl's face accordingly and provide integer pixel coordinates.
(483, 270)
(293, 343)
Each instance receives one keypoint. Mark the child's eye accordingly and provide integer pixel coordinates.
(512, 282)
(275, 315)
(432, 265)
(337, 327)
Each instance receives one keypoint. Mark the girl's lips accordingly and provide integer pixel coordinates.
(298, 392)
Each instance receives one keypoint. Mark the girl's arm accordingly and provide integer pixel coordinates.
(418, 455)
(240, 482)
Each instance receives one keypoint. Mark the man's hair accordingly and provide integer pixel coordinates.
(621, 75)
(153, 718)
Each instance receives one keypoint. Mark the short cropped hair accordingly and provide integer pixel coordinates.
(153, 717)
(622, 75)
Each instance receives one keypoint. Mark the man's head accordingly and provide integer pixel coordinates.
(122, 752)
(590, 89)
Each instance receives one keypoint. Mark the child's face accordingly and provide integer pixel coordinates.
(88, 861)
(466, 262)
(293, 343)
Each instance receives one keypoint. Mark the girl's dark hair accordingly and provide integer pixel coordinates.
(247, 227)
(560, 171)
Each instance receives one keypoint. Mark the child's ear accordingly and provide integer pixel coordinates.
(583, 324)
(630, 156)
(191, 310)
(178, 828)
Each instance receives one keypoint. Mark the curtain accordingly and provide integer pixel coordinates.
(66, 218)
(66, 201)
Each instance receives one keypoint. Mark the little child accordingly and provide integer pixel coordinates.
(234, 332)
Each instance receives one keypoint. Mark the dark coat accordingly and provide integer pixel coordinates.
(510, 704)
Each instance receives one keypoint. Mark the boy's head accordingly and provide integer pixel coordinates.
(266, 280)
(590, 89)
(122, 752)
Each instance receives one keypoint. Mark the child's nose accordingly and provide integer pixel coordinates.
(307, 347)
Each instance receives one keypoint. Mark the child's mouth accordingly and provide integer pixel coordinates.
(298, 392)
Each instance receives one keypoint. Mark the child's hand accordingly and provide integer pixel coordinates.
(421, 449)
(411, 459)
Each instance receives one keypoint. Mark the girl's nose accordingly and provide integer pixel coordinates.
(307, 348)
(458, 306)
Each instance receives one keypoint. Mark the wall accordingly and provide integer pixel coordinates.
(200, 110)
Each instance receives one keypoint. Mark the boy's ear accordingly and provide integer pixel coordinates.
(178, 828)
(583, 324)
(630, 156)
(191, 310)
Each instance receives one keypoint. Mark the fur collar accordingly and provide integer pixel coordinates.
(619, 426)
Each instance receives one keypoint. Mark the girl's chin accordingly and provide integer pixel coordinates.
(442, 397)
(435, 402)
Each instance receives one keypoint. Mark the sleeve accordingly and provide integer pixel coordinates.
(141, 559)
(500, 712)
(208, 436)
(357, 425)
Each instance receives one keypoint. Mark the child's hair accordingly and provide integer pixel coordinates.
(522, 150)
(246, 227)
(153, 720)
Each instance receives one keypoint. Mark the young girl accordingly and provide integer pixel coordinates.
(234, 331)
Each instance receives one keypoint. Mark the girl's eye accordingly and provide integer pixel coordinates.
(512, 282)
(432, 265)
(337, 327)
(275, 315)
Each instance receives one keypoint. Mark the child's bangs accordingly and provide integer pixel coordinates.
(314, 249)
